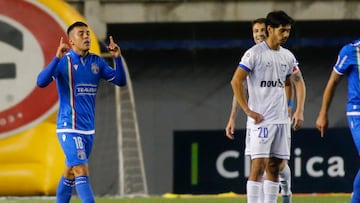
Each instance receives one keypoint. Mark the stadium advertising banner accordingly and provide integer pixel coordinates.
(207, 162)
(30, 157)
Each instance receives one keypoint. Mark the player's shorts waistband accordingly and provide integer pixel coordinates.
(84, 132)
(284, 122)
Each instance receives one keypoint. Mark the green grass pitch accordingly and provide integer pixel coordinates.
(324, 198)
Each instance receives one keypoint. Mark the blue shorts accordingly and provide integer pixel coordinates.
(354, 125)
(76, 147)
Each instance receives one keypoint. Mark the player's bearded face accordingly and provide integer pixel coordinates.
(80, 39)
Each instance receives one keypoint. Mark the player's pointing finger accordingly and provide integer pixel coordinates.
(322, 132)
(111, 39)
(61, 40)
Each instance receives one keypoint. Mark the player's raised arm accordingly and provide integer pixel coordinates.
(62, 49)
(113, 48)
(46, 76)
(117, 75)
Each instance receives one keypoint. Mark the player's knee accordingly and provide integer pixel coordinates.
(68, 173)
(282, 165)
(273, 166)
(81, 170)
(257, 169)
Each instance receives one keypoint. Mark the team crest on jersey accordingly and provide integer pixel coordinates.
(283, 67)
(94, 68)
(76, 66)
(81, 155)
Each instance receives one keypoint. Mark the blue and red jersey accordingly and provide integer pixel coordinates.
(77, 81)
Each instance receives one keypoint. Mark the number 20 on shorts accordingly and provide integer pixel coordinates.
(263, 132)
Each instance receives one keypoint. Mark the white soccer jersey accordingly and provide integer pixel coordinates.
(268, 70)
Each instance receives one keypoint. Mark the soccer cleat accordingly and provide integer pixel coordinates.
(286, 198)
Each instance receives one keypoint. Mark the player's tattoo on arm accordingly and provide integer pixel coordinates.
(298, 77)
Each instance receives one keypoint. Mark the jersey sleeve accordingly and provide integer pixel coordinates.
(247, 61)
(48, 74)
(294, 65)
(345, 59)
(115, 75)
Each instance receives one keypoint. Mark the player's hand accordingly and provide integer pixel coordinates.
(297, 120)
(62, 49)
(321, 124)
(256, 116)
(113, 48)
(230, 129)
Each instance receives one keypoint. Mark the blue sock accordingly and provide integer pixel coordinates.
(84, 190)
(64, 190)
(356, 190)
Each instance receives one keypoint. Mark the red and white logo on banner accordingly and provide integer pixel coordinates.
(29, 37)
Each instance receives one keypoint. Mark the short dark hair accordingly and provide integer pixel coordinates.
(76, 24)
(277, 18)
(258, 20)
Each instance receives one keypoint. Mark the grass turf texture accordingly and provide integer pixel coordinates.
(328, 198)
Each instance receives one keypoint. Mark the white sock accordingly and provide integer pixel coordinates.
(253, 190)
(261, 195)
(271, 190)
(285, 180)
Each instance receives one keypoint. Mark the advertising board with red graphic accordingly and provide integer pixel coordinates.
(29, 37)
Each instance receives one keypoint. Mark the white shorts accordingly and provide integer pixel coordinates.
(247, 142)
(269, 140)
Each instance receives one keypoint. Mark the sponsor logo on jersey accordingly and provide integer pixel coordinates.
(85, 89)
(272, 83)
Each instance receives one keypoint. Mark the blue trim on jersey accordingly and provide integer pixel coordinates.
(244, 67)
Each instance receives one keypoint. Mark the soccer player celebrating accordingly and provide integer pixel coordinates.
(267, 67)
(77, 73)
(347, 64)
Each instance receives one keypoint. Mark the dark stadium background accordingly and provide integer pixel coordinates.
(181, 76)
